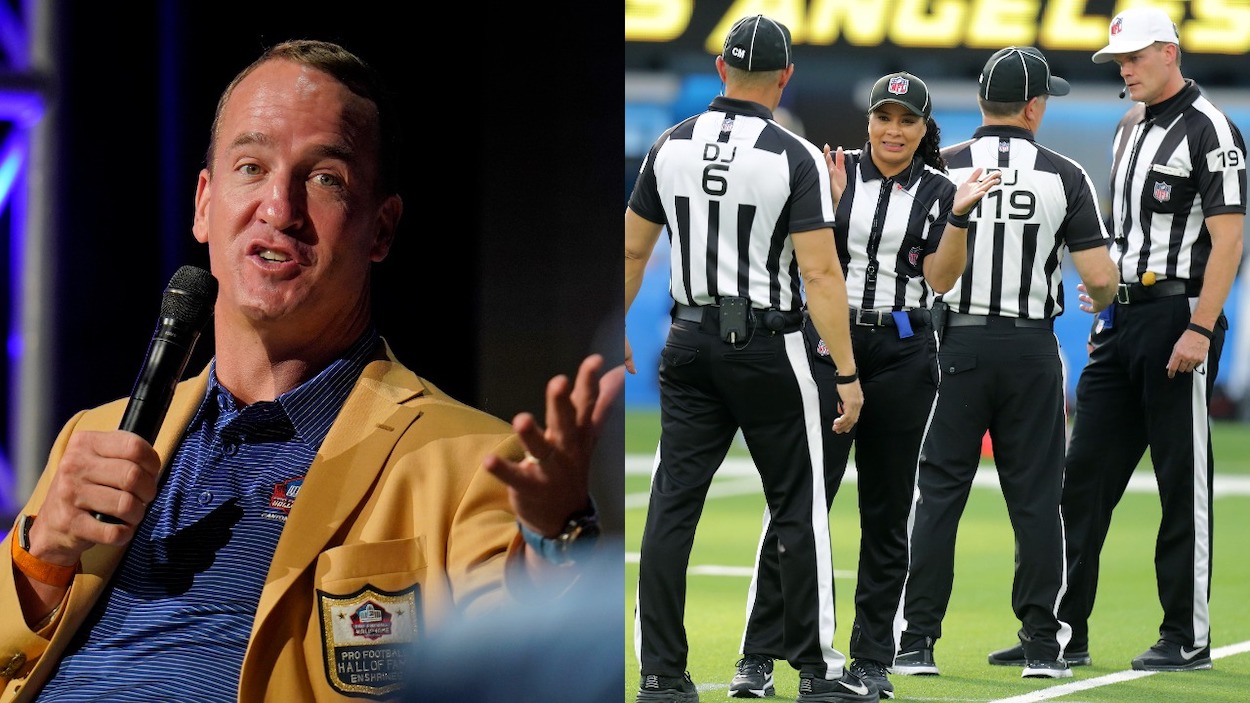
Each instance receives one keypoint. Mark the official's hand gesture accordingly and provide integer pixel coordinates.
(836, 163)
(972, 190)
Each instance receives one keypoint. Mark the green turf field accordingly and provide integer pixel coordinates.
(979, 620)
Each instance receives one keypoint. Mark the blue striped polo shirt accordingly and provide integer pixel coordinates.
(174, 622)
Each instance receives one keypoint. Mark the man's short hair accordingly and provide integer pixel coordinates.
(346, 68)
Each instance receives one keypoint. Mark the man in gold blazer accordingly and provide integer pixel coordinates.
(310, 507)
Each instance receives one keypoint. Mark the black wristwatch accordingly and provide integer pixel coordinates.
(579, 535)
(23, 532)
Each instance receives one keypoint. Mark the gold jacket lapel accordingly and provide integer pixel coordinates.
(347, 465)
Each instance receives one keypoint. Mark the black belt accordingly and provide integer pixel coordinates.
(1128, 293)
(884, 318)
(963, 319)
(708, 317)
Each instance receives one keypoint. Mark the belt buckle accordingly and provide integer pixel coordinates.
(867, 320)
(1121, 294)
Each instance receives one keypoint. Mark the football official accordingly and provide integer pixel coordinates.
(1000, 363)
(749, 210)
(893, 202)
(1178, 186)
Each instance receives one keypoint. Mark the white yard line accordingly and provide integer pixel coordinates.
(738, 476)
(1046, 694)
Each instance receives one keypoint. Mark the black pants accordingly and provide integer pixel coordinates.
(1125, 403)
(708, 390)
(899, 380)
(1008, 380)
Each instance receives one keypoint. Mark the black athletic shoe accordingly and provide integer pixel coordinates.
(916, 660)
(848, 688)
(1170, 656)
(1046, 669)
(873, 673)
(664, 689)
(1014, 656)
(754, 678)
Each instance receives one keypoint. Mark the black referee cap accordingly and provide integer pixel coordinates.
(757, 43)
(902, 88)
(1017, 74)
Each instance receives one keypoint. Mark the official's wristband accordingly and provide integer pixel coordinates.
(960, 221)
(842, 380)
(34, 567)
(1209, 334)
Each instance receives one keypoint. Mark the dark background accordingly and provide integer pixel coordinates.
(506, 269)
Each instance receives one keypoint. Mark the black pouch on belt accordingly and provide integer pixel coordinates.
(938, 313)
(733, 318)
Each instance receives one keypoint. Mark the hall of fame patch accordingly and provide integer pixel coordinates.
(367, 637)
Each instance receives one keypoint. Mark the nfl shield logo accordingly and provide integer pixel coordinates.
(898, 85)
(822, 348)
(913, 255)
(1117, 26)
(1163, 191)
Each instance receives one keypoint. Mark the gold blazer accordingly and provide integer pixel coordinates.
(397, 531)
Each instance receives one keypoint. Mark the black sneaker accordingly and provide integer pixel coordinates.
(1170, 656)
(754, 678)
(848, 688)
(916, 660)
(1046, 669)
(873, 673)
(664, 689)
(1014, 656)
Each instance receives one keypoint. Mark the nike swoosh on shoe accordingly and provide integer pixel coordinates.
(861, 689)
(1187, 655)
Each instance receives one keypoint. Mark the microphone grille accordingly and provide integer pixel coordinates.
(190, 296)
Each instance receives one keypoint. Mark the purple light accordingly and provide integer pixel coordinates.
(21, 107)
(22, 104)
(12, 158)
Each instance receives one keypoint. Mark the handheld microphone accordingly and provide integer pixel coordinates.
(185, 309)
(1123, 92)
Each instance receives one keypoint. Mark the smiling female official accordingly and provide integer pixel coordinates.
(893, 199)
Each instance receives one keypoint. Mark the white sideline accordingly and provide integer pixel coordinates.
(745, 479)
(1118, 677)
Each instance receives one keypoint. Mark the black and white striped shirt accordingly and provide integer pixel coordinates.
(731, 185)
(1018, 231)
(884, 229)
(1175, 164)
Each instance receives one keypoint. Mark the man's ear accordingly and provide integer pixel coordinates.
(199, 226)
(388, 221)
(786, 75)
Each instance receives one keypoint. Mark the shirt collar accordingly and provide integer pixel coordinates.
(1003, 130)
(1174, 105)
(742, 107)
(313, 405)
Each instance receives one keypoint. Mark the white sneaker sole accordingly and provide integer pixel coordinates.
(920, 670)
(1030, 673)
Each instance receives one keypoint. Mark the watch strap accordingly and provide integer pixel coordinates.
(34, 567)
(580, 533)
